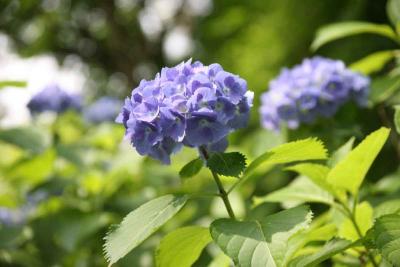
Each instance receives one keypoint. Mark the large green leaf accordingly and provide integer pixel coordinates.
(393, 12)
(30, 139)
(260, 243)
(386, 232)
(228, 164)
(140, 224)
(340, 30)
(182, 247)
(350, 172)
(307, 149)
(372, 63)
(299, 191)
(330, 249)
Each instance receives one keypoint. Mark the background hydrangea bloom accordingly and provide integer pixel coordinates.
(317, 87)
(104, 109)
(53, 98)
(189, 104)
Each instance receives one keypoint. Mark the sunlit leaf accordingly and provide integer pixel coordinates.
(33, 171)
(301, 190)
(350, 172)
(30, 139)
(330, 249)
(372, 63)
(307, 149)
(4, 84)
(364, 219)
(340, 30)
(182, 247)
(393, 12)
(140, 224)
(397, 118)
(260, 243)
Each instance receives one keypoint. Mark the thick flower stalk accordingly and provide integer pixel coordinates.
(189, 104)
(53, 98)
(315, 88)
(102, 110)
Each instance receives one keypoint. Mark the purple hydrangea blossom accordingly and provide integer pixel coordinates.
(102, 110)
(53, 98)
(190, 104)
(315, 88)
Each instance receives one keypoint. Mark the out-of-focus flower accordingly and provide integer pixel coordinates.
(53, 98)
(317, 87)
(189, 104)
(102, 110)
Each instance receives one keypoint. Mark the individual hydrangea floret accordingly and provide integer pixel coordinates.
(190, 104)
(103, 110)
(315, 88)
(53, 98)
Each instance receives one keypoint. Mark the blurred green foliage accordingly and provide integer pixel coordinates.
(90, 180)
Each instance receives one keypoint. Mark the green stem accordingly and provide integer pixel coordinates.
(351, 215)
(221, 189)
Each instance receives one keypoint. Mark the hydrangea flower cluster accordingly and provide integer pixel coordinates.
(53, 98)
(189, 104)
(317, 87)
(102, 110)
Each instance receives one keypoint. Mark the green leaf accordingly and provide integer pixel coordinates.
(350, 172)
(387, 207)
(317, 173)
(393, 12)
(299, 191)
(307, 149)
(330, 249)
(260, 243)
(228, 164)
(386, 232)
(397, 118)
(30, 139)
(192, 168)
(364, 217)
(372, 63)
(383, 88)
(182, 247)
(30, 172)
(340, 30)
(341, 152)
(140, 224)
(4, 84)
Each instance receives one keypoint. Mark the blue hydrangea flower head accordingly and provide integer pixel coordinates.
(190, 104)
(316, 88)
(53, 98)
(103, 110)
